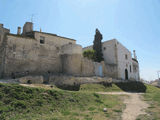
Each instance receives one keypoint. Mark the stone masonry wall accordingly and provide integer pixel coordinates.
(87, 67)
(26, 55)
(56, 41)
(71, 64)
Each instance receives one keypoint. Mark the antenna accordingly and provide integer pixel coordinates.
(32, 16)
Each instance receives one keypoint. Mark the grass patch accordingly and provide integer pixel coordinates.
(27, 103)
(99, 88)
(152, 96)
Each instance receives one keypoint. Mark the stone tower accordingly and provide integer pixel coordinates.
(28, 27)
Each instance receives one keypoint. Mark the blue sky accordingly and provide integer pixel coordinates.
(135, 23)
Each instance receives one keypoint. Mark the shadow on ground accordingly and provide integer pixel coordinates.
(132, 86)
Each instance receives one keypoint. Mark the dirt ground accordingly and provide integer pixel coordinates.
(135, 106)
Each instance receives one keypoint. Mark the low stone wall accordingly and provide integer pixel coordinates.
(73, 83)
(31, 80)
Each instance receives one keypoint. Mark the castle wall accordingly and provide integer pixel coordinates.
(88, 68)
(26, 55)
(71, 56)
(71, 64)
(3, 32)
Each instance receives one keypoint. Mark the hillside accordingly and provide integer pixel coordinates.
(18, 102)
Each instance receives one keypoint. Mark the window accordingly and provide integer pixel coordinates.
(42, 40)
(126, 56)
(130, 68)
(104, 48)
(70, 43)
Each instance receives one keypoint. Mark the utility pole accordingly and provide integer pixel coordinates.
(158, 72)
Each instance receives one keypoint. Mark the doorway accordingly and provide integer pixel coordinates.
(126, 74)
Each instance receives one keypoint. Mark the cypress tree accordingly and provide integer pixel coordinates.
(97, 46)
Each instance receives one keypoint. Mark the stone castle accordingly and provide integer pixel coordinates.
(39, 53)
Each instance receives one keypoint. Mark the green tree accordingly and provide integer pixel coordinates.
(97, 46)
(90, 54)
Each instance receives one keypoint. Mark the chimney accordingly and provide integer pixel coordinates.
(19, 31)
(1, 25)
(134, 53)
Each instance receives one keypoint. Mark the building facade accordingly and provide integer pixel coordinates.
(119, 60)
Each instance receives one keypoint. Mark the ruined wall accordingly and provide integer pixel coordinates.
(26, 55)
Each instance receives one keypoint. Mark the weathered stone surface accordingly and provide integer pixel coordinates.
(71, 64)
(87, 67)
(73, 83)
(31, 80)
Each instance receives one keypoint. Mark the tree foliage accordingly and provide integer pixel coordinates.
(90, 54)
(97, 46)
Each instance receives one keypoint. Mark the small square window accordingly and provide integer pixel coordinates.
(42, 40)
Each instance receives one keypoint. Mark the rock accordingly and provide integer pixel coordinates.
(31, 80)
(104, 109)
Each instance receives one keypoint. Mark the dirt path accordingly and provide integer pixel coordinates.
(134, 105)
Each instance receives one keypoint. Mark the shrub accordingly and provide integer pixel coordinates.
(90, 54)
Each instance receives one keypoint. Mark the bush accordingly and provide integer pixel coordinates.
(90, 54)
